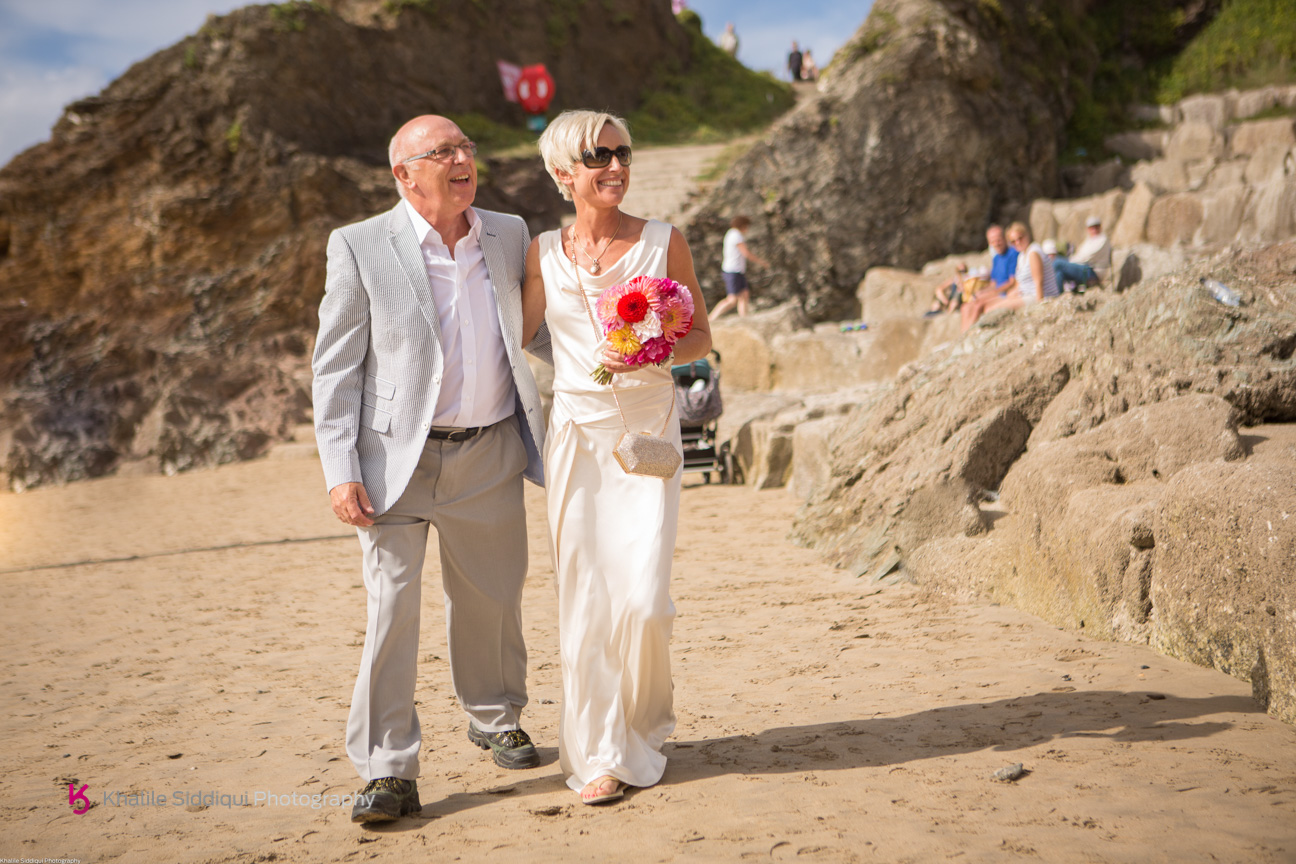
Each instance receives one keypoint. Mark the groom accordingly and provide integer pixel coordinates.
(426, 413)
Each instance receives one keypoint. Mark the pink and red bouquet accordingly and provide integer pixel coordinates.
(642, 320)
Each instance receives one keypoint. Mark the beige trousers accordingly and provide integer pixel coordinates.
(471, 491)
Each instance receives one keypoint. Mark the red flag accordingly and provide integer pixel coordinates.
(509, 75)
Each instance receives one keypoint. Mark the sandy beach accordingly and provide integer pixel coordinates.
(179, 645)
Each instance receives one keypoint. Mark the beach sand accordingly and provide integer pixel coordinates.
(190, 637)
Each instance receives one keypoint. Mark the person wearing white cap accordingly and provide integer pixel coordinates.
(1091, 262)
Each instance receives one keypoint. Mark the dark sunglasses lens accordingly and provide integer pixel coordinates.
(601, 157)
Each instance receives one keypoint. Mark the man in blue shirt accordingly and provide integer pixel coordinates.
(1003, 269)
(1004, 265)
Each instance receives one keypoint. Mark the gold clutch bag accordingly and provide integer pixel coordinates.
(648, 455)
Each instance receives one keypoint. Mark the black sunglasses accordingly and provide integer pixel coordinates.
(601, 157)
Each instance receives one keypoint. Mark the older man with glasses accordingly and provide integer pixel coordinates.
(426, 413)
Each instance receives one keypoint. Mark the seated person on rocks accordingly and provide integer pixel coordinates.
(1091, 262)
(977, 281)
(1003, 266)
(1034, 280)
(949, 295)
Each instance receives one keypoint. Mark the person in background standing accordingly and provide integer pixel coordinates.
(809, 69)
(728, 40)
(733, 267)
(794, 62)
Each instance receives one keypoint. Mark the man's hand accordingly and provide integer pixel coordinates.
(351, 504)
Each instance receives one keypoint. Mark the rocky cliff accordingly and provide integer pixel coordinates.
(937, 118)
(161, 257)
(1116, 462)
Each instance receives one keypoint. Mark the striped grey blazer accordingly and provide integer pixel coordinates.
(378, 358)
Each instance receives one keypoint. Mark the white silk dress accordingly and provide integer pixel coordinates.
(612, 534)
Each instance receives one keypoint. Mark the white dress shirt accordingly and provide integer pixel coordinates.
(477, 381)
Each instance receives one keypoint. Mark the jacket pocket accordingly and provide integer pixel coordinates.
(375, 418)
(380, 387)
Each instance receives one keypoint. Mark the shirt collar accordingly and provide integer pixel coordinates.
(427, 234)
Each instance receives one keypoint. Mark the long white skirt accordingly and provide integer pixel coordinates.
(613, 537)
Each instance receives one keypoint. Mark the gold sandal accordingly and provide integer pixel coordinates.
(598, 786)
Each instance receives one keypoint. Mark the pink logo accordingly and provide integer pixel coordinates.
(78, 794)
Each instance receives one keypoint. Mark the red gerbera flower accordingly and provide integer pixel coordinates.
(632, 307)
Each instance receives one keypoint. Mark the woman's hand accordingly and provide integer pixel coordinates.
(615, 363)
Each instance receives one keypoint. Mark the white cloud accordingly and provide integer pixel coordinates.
(55, 51)
(31, 100)
(125, 30)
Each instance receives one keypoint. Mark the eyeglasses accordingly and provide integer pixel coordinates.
(446, 153)
(601, 157)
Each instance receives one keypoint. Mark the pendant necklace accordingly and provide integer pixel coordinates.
(595, 266)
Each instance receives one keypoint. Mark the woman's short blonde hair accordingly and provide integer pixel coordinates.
(1019, 229)
(569, 134)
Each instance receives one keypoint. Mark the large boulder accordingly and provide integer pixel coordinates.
(1174, 219)
(1246, 139)
(819, 360)
(1222, 214)
(1083, 504)
(1131, 227)
(1076, 416)
(745, 345)
(1193, 141)
(891, 292)
(1273, 213)
(1222, 584)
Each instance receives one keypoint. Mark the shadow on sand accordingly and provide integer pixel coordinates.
(1004, 725)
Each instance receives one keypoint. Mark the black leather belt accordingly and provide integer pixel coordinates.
(453, 433)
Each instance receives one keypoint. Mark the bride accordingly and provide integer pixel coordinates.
(612, 533)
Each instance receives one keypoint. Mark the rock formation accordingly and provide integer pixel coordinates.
(1215, 174)
(1106, 461)
(937, 118)
(162, 256)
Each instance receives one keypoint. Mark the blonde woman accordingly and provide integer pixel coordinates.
(1033, 281)
(612, 534)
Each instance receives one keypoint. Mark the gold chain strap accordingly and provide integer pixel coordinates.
(598, 335)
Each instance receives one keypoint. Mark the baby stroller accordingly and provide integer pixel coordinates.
(697, 396)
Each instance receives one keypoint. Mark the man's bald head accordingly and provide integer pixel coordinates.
(444, 184)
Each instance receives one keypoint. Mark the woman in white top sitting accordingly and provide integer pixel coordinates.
(1034, 279)
(1033, 282)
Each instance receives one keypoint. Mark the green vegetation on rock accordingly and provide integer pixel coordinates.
(494, 138)
(291, 15)
(714, 99)
(1251, 43)
(1153, 51)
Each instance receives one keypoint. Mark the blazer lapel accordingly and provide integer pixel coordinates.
(405, 245)
(493, 252)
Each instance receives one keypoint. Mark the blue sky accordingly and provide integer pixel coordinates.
(53, 52)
